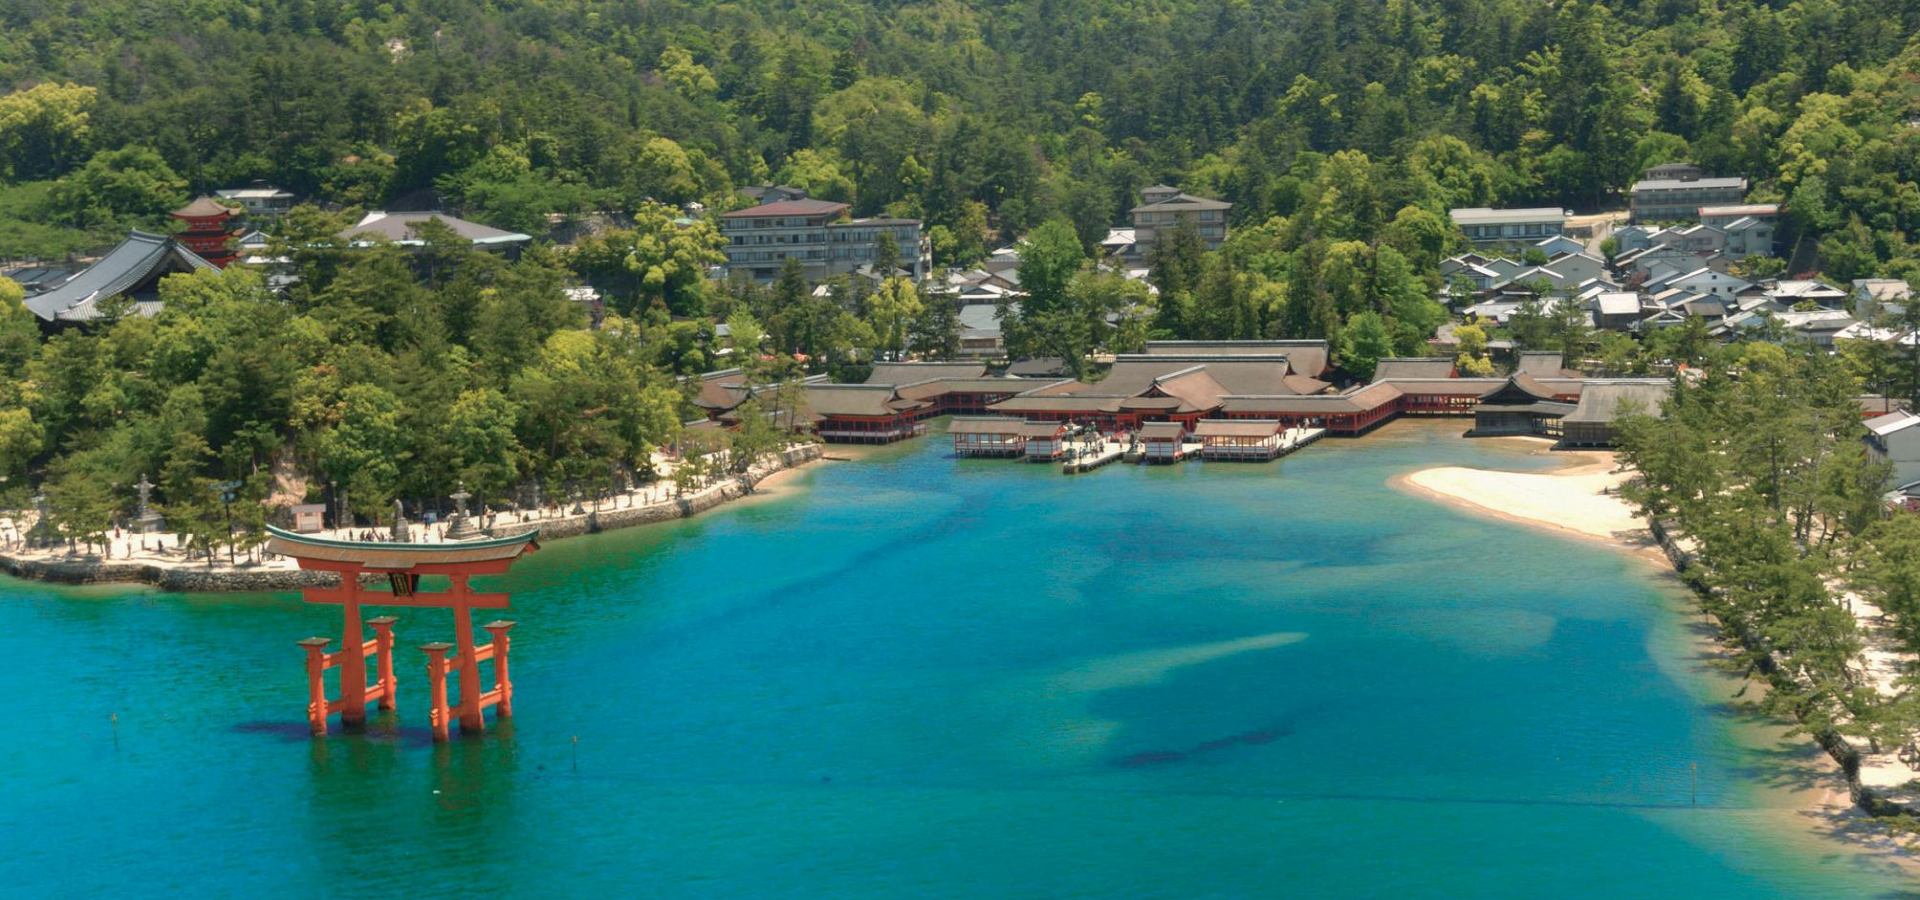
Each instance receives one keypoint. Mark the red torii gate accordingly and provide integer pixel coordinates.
(403, 564)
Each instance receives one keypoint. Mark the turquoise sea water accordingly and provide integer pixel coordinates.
(912, 676)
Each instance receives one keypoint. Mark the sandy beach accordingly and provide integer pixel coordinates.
(1582, 500)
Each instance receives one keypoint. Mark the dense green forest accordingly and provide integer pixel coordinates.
(1341, 131)
(985, 116)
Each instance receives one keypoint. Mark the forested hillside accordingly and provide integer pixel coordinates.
(992, 115)
(1342, 132)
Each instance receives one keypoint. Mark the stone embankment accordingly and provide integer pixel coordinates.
(185, 577)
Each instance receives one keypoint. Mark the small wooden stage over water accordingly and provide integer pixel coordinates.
(1251, 440)
(1083, 449)
(1222, 440)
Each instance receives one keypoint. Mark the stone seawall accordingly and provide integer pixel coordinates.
(182, 578)
(191, 579)
(1841, 750)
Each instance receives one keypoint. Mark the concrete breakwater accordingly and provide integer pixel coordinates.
(186, 577)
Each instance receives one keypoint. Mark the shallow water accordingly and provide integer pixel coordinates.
(913, 676)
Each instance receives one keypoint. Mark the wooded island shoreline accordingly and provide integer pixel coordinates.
(189, 576)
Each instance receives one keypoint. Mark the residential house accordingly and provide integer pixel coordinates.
(1713, 284)
(1478, 273)
(1817, 326)
(1863, 331)
(1895, 438)
(1679, 257)
(1163, 208)
(1661, 318)
(1699, 239)
(1875, 297)
(1615, 310)
(1628, 238)
(1748, 236)
(1706, 310)
(260, 199)
(1002, 260)
(1790, 293)
(1579, 266)
(1482, 225)
(1722, 216)
(1570, 281)
(1560, 245)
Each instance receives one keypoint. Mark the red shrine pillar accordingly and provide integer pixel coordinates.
(501, 681)
(316, 683)
(468, 659)
(383, 650)
(437, 712)
(353, 657)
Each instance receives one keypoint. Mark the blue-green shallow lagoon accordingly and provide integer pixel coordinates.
(911, 676)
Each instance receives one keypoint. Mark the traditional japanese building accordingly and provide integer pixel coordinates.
(1162, 442)
(210, 227)
(962, 396)
(1254, 440)
(716, 393)
(1424, 367)
(129, 273)
(863, 413)
(916, 372)
(1519, 406)
(1354, 412)
(403, 230)
(1308, 357)
(976, 436)
(1602, 402)
(1166, 385)
(1045, 441)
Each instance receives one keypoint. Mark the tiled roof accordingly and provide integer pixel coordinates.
(909, 373)
(136, 263)
(1414, 367)
(400, 229)
(204, 206)
(808, 207)
(1600, 401)
(1236, 428)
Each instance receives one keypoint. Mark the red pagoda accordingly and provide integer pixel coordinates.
(210, 227)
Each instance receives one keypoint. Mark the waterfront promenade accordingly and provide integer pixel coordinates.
(161, 558)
